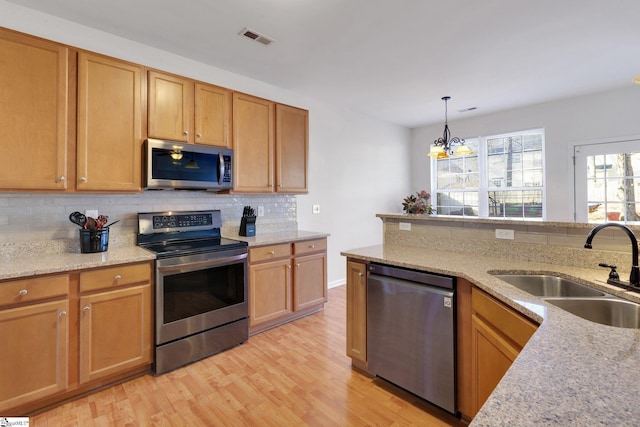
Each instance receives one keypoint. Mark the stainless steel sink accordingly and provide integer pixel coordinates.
(542, 285)
(607, 311)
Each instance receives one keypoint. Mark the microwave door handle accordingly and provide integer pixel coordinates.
(220, 168)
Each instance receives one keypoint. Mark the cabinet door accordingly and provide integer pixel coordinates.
(357, 311)
(34, 359)
(33, 112)
(253, 144)
(310, 281)
(269, 290)
(212, 115)
(170, 107)
(292, 135)
(115, 331)
(492, 356)
(109, 124)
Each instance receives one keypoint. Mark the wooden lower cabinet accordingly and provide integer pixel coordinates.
(357, 313)
(34, 361)
(114, 331)
(68, 334)
(286, 281)
(498, 334)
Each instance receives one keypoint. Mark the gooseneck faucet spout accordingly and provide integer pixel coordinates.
(634, 277)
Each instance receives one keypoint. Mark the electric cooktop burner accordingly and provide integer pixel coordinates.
(170, 234)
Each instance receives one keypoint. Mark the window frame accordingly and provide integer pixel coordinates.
(580, 173)
(483, 189)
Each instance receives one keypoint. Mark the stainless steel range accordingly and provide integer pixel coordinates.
(201, 296)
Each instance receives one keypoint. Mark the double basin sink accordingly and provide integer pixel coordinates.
(578, 299)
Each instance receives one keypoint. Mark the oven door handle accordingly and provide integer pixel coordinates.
(182, 267)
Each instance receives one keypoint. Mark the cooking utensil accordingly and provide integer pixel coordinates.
(109, 225)
(91, 224)
(78, 218)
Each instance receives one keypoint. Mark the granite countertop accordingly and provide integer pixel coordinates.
(31, 265)
(273, 238)
(571, 372)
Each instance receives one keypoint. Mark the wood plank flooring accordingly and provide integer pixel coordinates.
(293, 375)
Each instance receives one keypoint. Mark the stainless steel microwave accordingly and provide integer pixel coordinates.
(178, 165)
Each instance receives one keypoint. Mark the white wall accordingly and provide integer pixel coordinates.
(358, 166)
(589, 118)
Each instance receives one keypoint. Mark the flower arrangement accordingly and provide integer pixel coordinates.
(418, 203)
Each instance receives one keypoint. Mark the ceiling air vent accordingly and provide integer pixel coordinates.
(254, 35)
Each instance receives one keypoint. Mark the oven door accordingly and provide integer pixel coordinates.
(199, 292)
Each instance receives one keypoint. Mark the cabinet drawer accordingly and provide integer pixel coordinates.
(33, 289)
(114, 276)
(309, 246)
(513, 325)
(267, 253)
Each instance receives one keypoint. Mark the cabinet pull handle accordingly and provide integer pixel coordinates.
(86, 308)
(83, 179)
(23, 292)
(117, 277)
(62, 313)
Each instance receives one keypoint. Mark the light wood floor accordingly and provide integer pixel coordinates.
(293, 375)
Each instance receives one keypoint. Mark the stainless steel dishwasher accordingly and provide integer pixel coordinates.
(411, 335)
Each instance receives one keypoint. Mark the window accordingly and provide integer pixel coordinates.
(607, 177)
(504, 178)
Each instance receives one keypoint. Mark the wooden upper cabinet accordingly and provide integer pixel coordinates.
(182, 109)
(170, 108)
(34, 111)
(292, 135)
(110, 96)
(253, 144)
(212, 115)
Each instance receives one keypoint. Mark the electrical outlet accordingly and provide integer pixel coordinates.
(260, 210)
(405, 226)
(315, 209)
(93, 213)
(505, 234)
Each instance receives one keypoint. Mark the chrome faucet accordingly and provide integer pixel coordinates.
(634, 277)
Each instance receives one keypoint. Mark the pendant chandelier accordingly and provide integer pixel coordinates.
(446, 146)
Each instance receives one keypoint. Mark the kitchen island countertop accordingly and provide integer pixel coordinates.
(571, 372)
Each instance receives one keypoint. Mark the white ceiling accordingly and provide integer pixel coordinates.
(392, 60)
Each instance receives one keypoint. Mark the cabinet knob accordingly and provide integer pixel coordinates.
(86, 308)
(360, 274)
(62, 313)
(23, 292)
(61, 178)
(199, 135)
(312, 246)
(117, 277)
(297, 265)
(83, 179)
(185, 133)
(272, 252)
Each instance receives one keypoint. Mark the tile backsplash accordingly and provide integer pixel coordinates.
(45, 217)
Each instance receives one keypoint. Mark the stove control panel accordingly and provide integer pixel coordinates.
(163, 222)
(181, 221)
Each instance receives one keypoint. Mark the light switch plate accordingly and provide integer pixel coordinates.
(260, 210)
(315, 209)
(92, 213)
